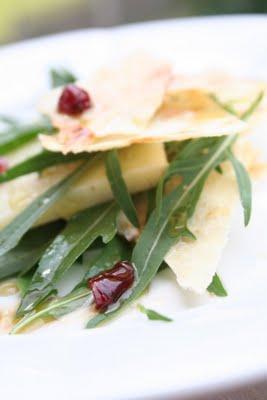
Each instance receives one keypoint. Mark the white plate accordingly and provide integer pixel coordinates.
(213, 343)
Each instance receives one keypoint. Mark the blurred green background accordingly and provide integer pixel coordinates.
(21, 19)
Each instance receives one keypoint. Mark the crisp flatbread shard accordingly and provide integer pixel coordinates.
(124, 100)
(188, 114)
(236, 92)
(183, 115)
(133, 104)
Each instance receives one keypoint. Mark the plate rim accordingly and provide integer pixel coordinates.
(207, 389)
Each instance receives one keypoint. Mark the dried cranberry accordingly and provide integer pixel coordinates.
(3, 165)
(108, 286)
(73, 100)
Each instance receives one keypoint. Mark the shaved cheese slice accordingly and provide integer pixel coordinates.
(142, 167)
(195, 262)
(183, 115)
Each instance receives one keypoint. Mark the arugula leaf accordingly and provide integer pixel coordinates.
(159, 193)
(163, 266)
(82, 230)
(197, 147)
(8, 120)
(247, 113)
(253, 106)
(243, 179)
(226, 106)
(184, 168)
(12, 233)
(55, 308)
(153, 315)
(216, 287)
(151, 202)
(191, 157)
(61, 77)
(178, 224)
(244, 186)
(39, 162)
(155, 241)
(219, 170)
(172, 149)
(23, 282)
(29, 250)
(119, 188)
(200, 149)
(19, 135)
(116, 250)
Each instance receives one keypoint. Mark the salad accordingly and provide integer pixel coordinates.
(134, 170)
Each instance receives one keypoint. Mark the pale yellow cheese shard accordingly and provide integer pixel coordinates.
(142, 166)
(194, 262)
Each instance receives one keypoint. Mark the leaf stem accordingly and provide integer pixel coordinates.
(28, 319)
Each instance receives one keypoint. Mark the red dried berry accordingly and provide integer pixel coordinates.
(108, 286)
(73, 100)
(3, 165)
